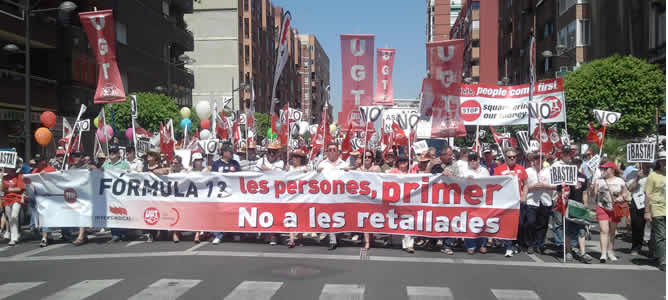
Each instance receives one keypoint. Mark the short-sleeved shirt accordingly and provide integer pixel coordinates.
(326, 165)
(655, 189)
(120, 165)
(11, 182)
(516, 170)
(477, 173)
(606, 189)
(536, 197)
(577, 191)
(450, 167)
(225, 167)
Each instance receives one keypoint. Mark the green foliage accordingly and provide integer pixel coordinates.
(621, 84)
(152, 109)
(262, 123)
(614, 147)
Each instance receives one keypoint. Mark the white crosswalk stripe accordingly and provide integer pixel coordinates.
(264, 290)
(165, 289)
(83, 290)
(428, 293)
(9, 289)
(257, 290)
(600, 296)
(515, 294)
(342, 292)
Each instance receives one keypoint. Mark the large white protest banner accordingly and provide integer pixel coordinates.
(640, 152)
(509, 105)
(338, 201)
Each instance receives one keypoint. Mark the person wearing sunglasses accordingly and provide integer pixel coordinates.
(511, 168)
(331, 164)
(272, 159)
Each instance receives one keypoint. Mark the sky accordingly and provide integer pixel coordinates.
(398, 24)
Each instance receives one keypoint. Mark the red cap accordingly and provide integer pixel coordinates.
(609, 165)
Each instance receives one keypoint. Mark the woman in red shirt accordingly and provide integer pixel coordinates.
(12, 185)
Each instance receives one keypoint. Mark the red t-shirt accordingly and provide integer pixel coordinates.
(10, 182)
(47, 169)
(516, 170)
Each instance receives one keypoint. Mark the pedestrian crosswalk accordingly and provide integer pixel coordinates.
(261, 290)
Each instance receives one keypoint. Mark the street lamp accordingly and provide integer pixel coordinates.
(65, 7)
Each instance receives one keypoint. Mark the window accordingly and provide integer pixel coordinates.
(548, 29)
(246, 54)
(476, 24)
(245, 5)
(547, 65)
(246, 30)
(121, 33)
(660, 29)
(475, 43)
(567, 36)
(584, 32)
(165, 7)
(124, 79)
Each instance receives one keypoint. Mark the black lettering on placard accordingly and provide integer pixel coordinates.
(640, 152)
(7, 159)
(541, 110)
(564, 175)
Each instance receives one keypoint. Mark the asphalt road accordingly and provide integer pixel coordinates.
(254, 270)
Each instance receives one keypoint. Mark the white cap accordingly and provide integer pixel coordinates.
(197, 156)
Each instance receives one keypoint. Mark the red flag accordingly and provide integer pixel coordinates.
(222, 127)
(322, 136)
(236, 131)
(596, 136)
(357, 53)
(399, 135)
(99, 27)
(142, 131)
(285, 126)
(346, 145)
(498, 138)
(166, 139)
(541, 136)
(555, 139)
(384, 66)
(562, 201)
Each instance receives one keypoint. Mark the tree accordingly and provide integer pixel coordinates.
(152, 109)
(262, 123)
(621, 84)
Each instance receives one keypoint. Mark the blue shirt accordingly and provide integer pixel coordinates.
(225, 167)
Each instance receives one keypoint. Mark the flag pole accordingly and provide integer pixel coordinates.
(600, 149)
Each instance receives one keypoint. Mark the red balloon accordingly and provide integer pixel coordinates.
(48, 119)
(205, 124)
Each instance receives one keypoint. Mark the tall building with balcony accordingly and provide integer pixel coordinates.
(151, 35)
(315, 77)
(236, 41)
(572, 32)
(477, 25)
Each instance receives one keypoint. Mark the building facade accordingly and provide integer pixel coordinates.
(572, 32)
(477, 25)
(235, 44)
(315, 78)
(151, 35)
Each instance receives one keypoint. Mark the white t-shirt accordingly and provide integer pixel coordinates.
(638, 194)
(326, 165)
(275, 166)
(468, 172)
(536, 197)
(136, 165)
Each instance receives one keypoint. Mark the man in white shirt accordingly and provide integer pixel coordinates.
(271, 160)
(135, 163)
(474, 170)
(539, 203)
(332, 163)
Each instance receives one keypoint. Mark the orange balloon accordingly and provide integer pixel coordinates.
(43, 136)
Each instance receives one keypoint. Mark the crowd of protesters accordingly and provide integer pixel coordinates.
(636, 195)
